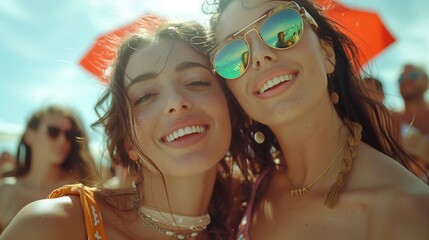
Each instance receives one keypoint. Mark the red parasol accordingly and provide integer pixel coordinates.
(365, 28)
(99, 57)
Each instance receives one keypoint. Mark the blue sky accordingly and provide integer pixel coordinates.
(43, 41)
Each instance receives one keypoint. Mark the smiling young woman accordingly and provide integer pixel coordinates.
(167, 120)
(323, 171)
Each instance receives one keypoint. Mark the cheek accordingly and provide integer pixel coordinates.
(238, 89)
(143, 128)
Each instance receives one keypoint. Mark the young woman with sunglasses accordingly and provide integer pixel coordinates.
(167, 120)
(53, 151)
(322, 171)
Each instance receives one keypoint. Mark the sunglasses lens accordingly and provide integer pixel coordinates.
(282, 29)
(70, 135)
(231, 60)
(53, 132)
(413, 75)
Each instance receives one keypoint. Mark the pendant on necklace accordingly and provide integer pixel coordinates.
(299, 191)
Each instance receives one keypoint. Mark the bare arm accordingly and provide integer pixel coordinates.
(60, 218)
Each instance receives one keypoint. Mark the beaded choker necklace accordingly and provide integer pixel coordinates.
(164, 221)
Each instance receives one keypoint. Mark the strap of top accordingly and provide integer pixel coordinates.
(243, 232)
(93, 220)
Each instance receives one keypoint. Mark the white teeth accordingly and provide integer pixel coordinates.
(273, 82)
(184, 131)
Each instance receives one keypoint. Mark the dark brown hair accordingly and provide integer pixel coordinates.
(354, 104)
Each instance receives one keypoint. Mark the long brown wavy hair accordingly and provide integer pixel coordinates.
(113, 109)
(379, 129)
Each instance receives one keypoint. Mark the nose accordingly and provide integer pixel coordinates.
(262, 55)
(177, 103)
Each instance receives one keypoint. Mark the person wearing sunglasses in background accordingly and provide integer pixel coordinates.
(53, 151)
(413, 122)
(167, 121)
(322, 170)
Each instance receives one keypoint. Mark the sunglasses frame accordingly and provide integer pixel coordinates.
(54, 132)
(288, 5)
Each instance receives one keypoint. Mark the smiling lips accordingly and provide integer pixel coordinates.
(184, 131)
(275, 81)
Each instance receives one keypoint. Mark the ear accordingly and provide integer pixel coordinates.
(29, 136)
(329, 56)
(132, 154)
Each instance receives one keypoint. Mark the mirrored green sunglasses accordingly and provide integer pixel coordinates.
(280, 28)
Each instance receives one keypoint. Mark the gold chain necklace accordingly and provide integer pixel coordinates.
(303, 190)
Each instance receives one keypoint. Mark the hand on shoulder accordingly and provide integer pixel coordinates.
(59, 218)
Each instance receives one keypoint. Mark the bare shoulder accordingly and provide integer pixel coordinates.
(373, 169)
(59, 218)
(400, 215)
(397, 201)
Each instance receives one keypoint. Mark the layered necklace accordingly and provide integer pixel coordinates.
(164, 221)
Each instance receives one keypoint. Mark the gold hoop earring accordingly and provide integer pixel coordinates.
(134, 167)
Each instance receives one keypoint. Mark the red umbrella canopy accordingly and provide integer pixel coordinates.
(365, 28)
(99, 57)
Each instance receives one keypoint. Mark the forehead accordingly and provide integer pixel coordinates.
(162, 56)
(56, 119)
(241, 13)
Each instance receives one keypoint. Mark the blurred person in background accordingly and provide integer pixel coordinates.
(414, 120)
(53, 151)
(7, 164)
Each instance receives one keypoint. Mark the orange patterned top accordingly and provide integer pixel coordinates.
(93, 220)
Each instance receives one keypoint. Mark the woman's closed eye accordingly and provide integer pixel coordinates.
(199, 85)
(145, 98)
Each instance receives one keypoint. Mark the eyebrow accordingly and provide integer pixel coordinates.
(181, 67)
(248, 25)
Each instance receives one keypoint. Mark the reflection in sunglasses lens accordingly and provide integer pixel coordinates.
(281, 30)
(231, 61)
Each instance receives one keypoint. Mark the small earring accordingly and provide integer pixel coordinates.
(259, 137)
(335, 98)
(228, 157)
(134, 167)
